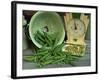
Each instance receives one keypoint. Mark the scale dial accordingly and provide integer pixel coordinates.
(76, 28)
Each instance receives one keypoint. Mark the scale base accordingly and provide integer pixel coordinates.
(75, 49)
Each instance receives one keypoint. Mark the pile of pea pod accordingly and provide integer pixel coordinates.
(50, 53)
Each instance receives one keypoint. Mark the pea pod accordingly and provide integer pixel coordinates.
(48, 38)
(42, 53)
(38, 40)
(40, 36)
(44, 56)
(48, 62)
(29, 58)
(58, 48)
(57, 61)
